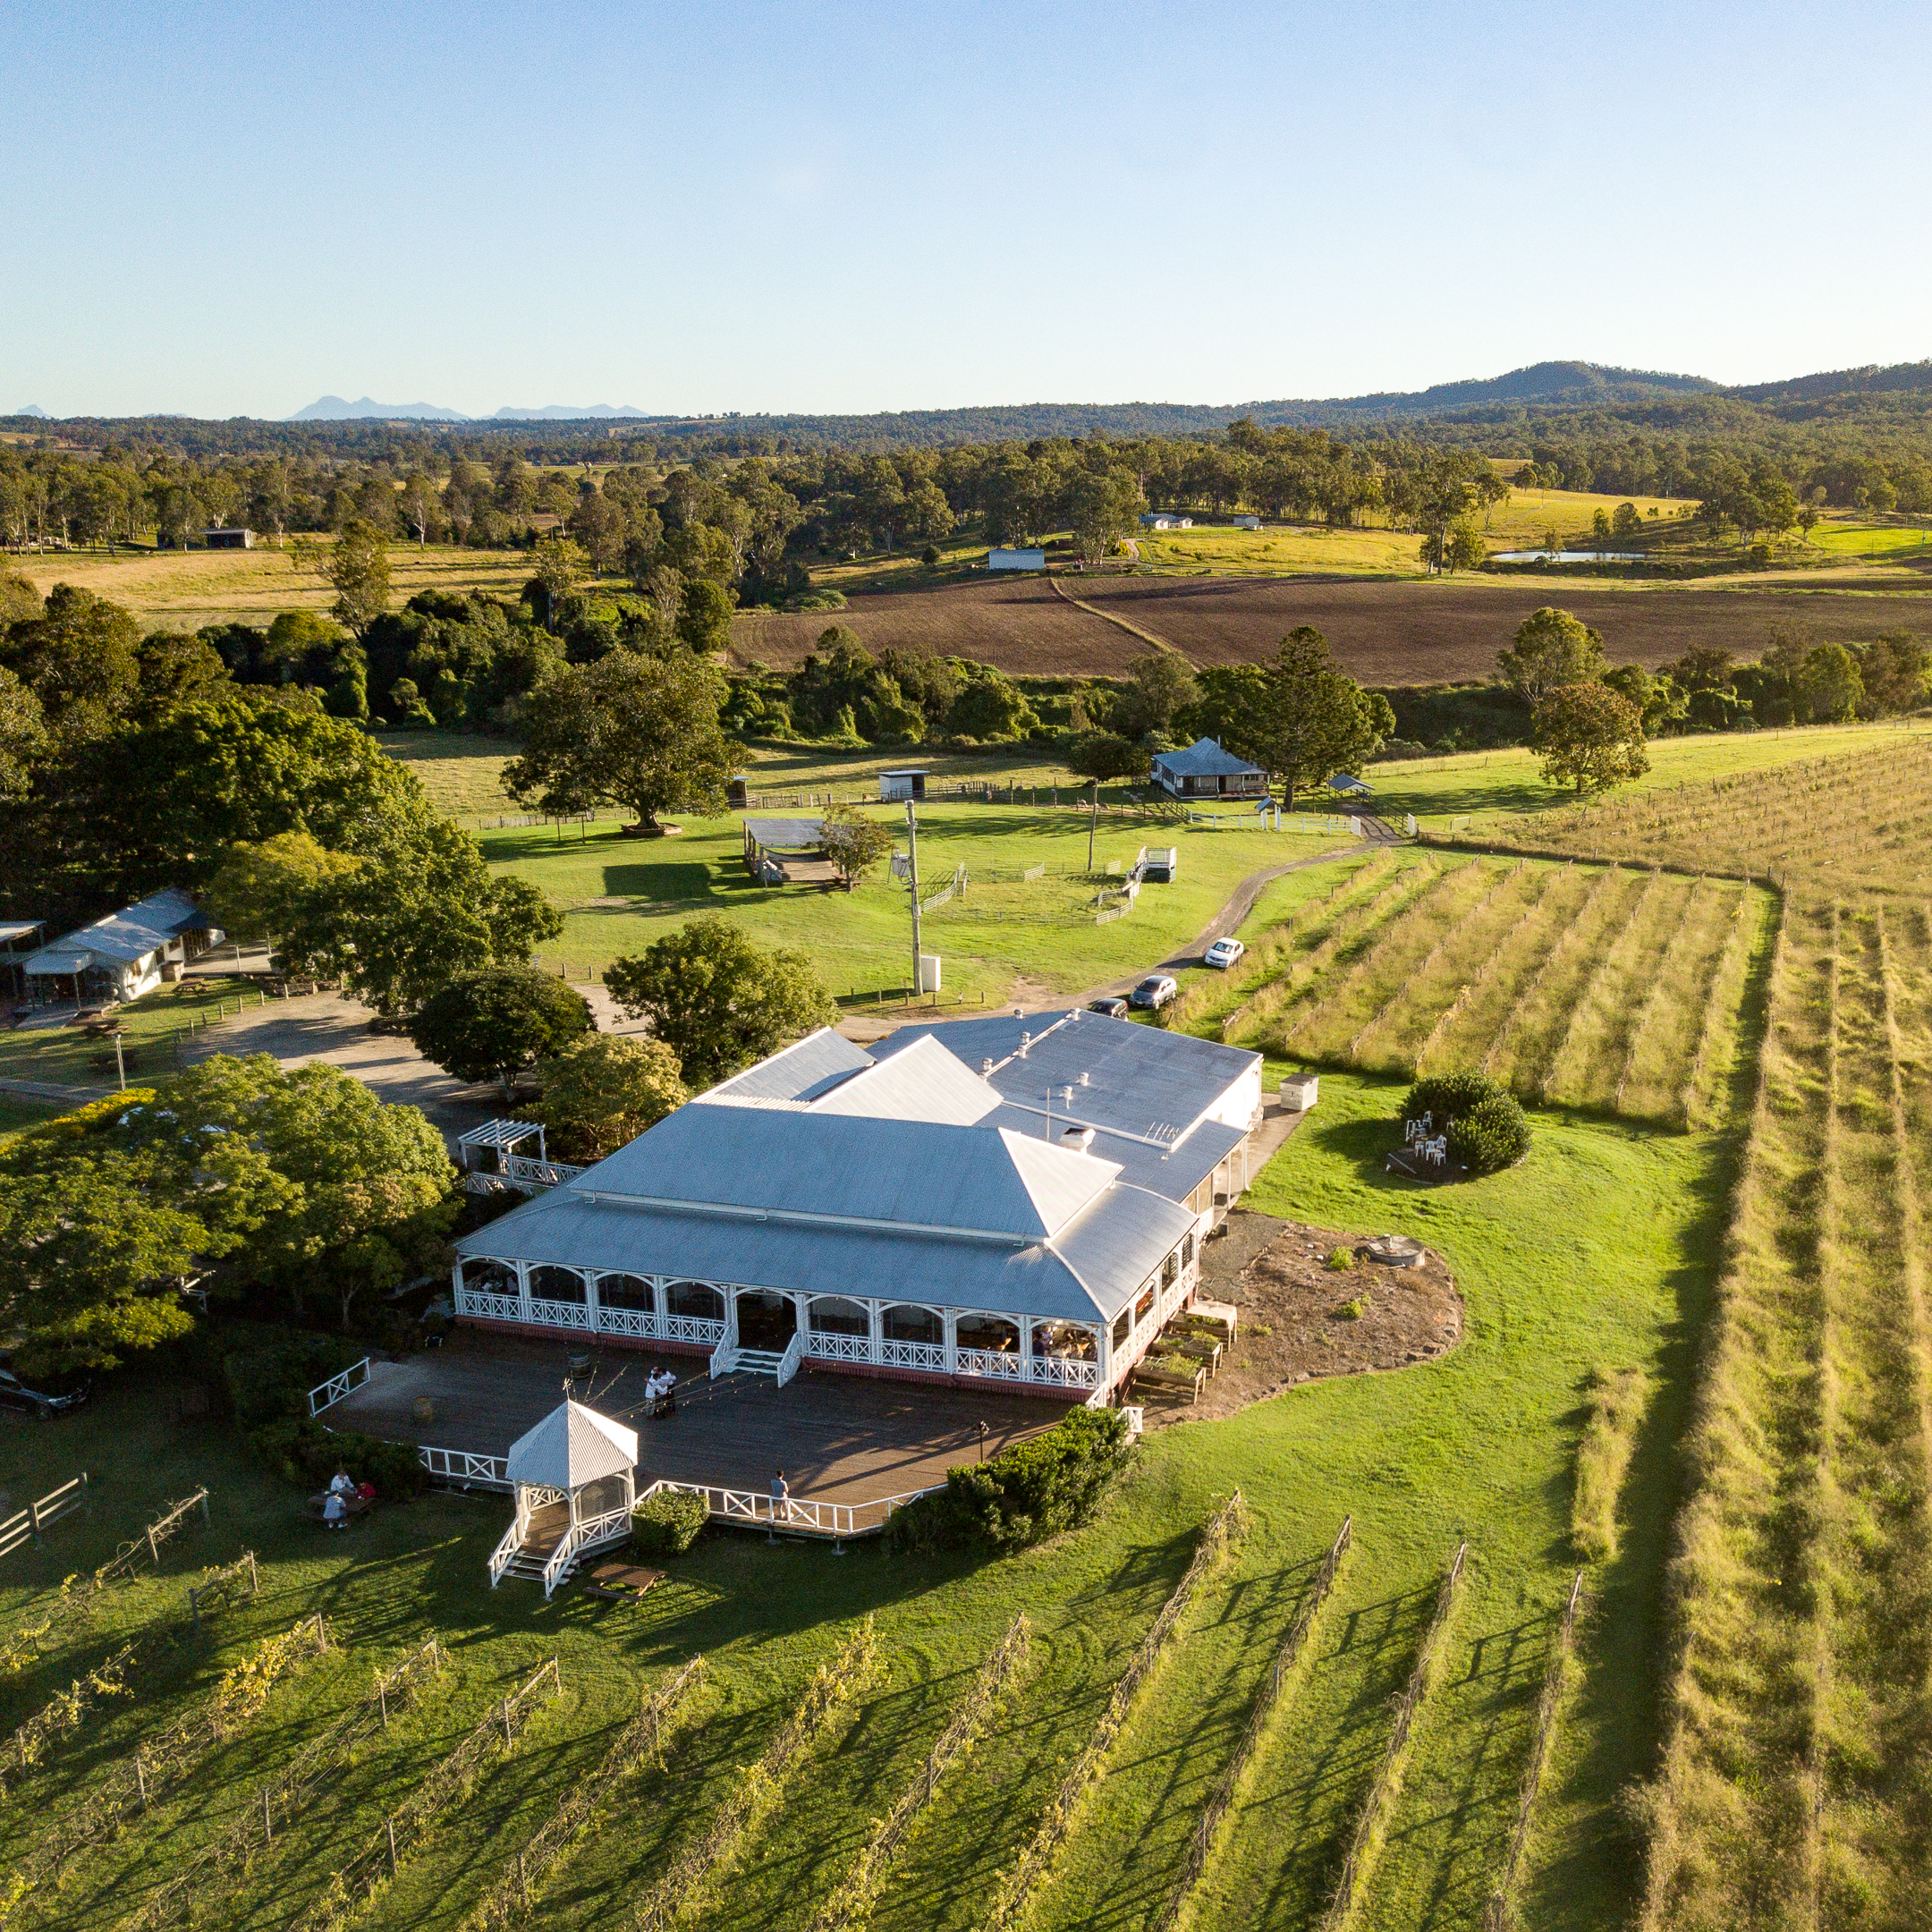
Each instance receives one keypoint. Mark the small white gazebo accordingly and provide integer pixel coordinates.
(575, 1474)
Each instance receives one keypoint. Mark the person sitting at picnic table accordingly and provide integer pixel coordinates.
(335, 1510)
(341, 1483)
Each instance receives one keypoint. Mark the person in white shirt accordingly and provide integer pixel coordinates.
(341, 1483)
(335, 1510)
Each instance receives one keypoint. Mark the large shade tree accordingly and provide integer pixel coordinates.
(492, 1023)
(1551, 649)
(634, 730)
(420, 908)
(603, 1090)
(1590, 737)
(1313, 722)
(717, 999)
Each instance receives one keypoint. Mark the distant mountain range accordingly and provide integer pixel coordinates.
(32, 409)
(333, 408)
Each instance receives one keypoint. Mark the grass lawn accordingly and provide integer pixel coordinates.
(16, 1113)
(618, 895)
(1599, 1249)
(66, 1056)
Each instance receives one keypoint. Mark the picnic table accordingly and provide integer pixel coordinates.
(622, 1583)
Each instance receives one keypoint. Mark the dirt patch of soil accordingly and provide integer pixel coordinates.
(1301, 1319)
(1413, 633)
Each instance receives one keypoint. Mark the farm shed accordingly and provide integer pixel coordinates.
(1204, 770)
(895, 787)
(780, 851)
(738, 791)
(125, 954)
(1165, 520)
(1016, 560)
(894, 1212)
(229, 539)
(1246, 522)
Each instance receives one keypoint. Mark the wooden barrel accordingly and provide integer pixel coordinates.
(422, 1410)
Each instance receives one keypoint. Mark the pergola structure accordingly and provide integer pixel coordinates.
(500, 1139)
(574, 1477)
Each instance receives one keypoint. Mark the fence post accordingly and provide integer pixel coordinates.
(390, 1824)
(268, 1820)
(141, 1780)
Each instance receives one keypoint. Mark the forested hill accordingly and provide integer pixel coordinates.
(1626, 429)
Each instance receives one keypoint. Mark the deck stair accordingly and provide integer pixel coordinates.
(759, 1361)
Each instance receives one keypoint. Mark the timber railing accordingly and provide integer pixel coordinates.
(754, 1509)
(43, 1512)
(1499, 1914)
(755, 1789)
(641, 1741)
(358, 1882)
(1387, 1781)
(1202, 1846)
(327, 1395)
(213, 1876)
(1014, 1890)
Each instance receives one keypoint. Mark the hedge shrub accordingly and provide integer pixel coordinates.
(1486, 1125)
(1051, 1482)
(666, 1525)
(1490, 1137)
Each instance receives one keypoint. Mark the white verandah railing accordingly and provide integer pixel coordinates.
(751, 1509)
(788, 1365)
(465, 1468)
(598, 1533)
(325, 1394)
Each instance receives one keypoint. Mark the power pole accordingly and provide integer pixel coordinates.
(1093, 824)
(913, 867)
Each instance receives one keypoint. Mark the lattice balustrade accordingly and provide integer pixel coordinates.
(1065, 1371)
(487, 1305)
(1002, 1365)
(839, 1347)
(638, 1323)
(559, 1314)
(913, 1355)
(696, 1328)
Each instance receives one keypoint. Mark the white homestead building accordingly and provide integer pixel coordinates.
(1018, 1202)
(1203, 769)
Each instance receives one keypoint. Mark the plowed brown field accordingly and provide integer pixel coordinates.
(1383, 633)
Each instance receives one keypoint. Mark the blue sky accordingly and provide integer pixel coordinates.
(798, 207)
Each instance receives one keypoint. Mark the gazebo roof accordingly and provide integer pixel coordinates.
(572, 1445)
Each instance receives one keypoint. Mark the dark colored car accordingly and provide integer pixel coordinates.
(1114, 1009)
(1154, 992)
(59, 1394)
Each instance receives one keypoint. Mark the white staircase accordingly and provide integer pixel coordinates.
(758, 1362)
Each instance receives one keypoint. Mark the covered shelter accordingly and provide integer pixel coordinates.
(125, 954)
(1344, 786)
(897, 786)
(18, 938)
(574, 1476)
(780, 851)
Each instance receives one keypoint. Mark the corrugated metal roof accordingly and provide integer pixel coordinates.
(786, 835)
(1089, 1273)
(921, 1173)
(572, 1445)
(129, 934)
(1172, 1172)
(1140, 1080)
(1203, 758)
(923, 1084)
(794, 1073)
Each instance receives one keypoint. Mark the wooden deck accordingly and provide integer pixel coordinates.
(838, 1437)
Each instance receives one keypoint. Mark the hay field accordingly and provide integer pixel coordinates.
(184, 589)
(1858, 821)
(1610, 989)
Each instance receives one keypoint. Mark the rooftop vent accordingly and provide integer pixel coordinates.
(1077, 1139)
(985, 1069)
(1083, 1079)
(1026, 1040)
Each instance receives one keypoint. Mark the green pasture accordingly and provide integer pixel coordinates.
(66, 1056)
(1598, 1251)
(618, 894)
(1882, 540)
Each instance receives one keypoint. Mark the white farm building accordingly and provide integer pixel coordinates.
(1018, 1202)
(124, 955)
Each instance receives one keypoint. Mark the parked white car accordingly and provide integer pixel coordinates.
(1223, 953)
